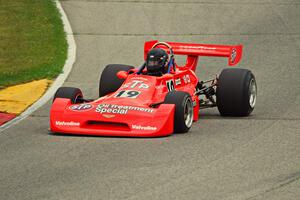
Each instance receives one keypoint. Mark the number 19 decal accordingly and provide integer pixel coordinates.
(127, 93)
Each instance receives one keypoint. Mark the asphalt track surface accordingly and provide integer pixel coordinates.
(220, 158)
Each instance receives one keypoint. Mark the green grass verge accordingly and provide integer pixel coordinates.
(32, 41)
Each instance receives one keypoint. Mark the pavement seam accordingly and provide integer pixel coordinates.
(187, 2)
(59, 80)
(190, 34)
(276, 187)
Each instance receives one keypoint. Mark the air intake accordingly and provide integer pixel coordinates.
(108, 125)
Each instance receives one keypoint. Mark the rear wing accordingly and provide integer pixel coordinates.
(232, 52)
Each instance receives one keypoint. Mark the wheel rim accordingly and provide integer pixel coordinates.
(253, 93)
(188, 113)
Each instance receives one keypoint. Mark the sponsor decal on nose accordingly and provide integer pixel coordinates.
(81, 107)
(120, 109)
(63, 123)
(144, 128)
(108, 116)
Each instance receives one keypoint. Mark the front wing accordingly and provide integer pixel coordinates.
(109, 120)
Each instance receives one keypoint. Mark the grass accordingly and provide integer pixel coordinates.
(32, 41)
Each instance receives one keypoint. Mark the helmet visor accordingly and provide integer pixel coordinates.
(153, 63)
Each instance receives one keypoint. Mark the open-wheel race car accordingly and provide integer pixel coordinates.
(159, 97)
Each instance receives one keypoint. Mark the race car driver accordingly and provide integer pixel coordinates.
(157, 62)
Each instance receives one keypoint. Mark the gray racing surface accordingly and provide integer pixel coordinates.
(220, 158)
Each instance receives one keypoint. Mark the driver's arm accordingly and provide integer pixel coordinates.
(141, 68)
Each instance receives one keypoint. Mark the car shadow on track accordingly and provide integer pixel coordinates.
(214, 114)
(99, 136)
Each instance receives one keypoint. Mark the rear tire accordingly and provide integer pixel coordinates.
(184, 112)
(236, 92)
(109, 82)
(74, 94)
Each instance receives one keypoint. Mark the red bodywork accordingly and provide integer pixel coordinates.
(142, 115)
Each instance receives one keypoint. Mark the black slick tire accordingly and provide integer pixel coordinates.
(235, 92)
(74, 94)
(109, 82)
(184, 112)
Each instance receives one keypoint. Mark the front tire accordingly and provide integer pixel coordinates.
(236, 92)
(109, 82)
(184, 112)
(74, 94)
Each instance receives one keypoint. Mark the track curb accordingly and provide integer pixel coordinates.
(59, 80)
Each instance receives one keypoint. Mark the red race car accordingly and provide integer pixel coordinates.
(158, 98)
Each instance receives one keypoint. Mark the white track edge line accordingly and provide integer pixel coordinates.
(61, 77)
